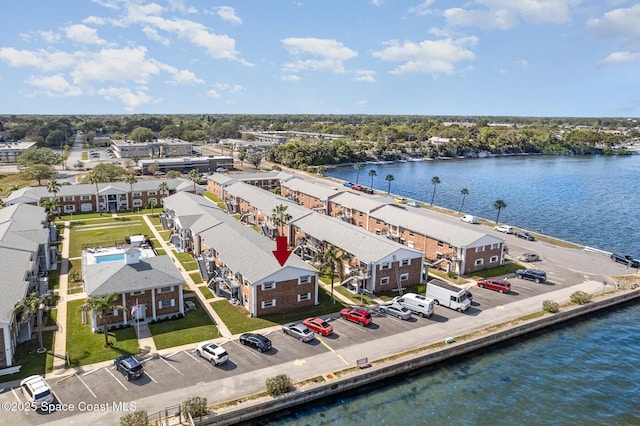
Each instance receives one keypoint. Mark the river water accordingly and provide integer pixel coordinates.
(585, 373)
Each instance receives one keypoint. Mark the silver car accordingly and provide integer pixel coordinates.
(396, 310)
(299, 331)
(529, 257)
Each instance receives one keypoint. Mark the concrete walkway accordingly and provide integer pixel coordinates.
(60, 336)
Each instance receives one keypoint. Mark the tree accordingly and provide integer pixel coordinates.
(66, 151)
(255, 158)
(51, 206)
(173, 174)
(53, 186)
(92, 177)
(435, 181)
(152, 204)
(195, 406)
(29, 306)
(154, 168)
(131, 180)
(372, 173)
(163, 188)
(109, 172)
(280, 217)
(141, 134)
(333, 261)
(357, 167)
(102, 306)
(39, 156)
(464, 192)
(389, 178)
(499, 205)
(194, 176)
(242, 155)
(137, 418)
(38, 172)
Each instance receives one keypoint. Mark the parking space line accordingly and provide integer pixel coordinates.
(167, 362)
(90, 372)
(116, 379)
(332, 350)
(149, 376)
(85, 385)
(198, 361)
(170, 355)
(249, 350)
(13, 391)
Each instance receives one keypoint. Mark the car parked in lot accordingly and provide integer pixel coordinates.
(396, 310)
(257, 341)
(213, 353)
(532, 274)
(525, 236)
(495, 284)
(529, 257)
(504, 228)
(36, 391)
(319, 326)
(298, 330)
(360, 316)
(129, 366)
(625, 260)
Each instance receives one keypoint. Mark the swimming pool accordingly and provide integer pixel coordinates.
(107, 258)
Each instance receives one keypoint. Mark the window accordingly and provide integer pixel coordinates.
(163, 304)
(478, 262)
(85, 197)
(268, 286)
(268, 303)
(305, 279)
(385, 265)
(495, 246)
(152, 192)
(384, 280)
(136, 293)
(410, 244)
(69, 208)
(377, 231)
(440, 244)
(86, 207)
(165, 289)
(479, 249)
(411, 234)
(360, 214)
(67, 198)
(377, 221)
(404, 277)
(404, 262)
(137, 203)
(302, 297)
(136, 194)
(493, 259)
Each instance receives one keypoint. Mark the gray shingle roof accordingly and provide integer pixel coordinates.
(359, 202)
(265, 201)
(316, 190)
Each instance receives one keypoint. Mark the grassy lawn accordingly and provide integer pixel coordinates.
(104, 232)
(507, 268)
(196, 326)
(215, 199)
(155, 219)
(206, 292)
(75, 265)
(356, 299)
(196, 277)
(31, 361)
(7, 180)
(85, 347)
(237, 319)
(187, 261)
(165, 235)
(54, 279)
(417, 289)
(455, 279)
(82, 216)
(161, 252)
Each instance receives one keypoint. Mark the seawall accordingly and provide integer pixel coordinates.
(341, 381)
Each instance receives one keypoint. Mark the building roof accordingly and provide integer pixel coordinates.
(364, 245)
(265, 201)
(455, 235)
(313, 189)
(359, 202)
(119, 277)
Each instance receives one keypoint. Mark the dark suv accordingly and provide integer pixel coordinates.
(531, 274)
(625, 260)
(129, 366)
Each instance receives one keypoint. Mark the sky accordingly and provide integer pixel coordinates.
(544, 58)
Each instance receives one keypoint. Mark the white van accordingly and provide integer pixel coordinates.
(469, 218)
(416, 303)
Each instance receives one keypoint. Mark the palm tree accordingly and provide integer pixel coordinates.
(194, 176)
(163, 188)
(280, 216)
(389, 178)
(372, 173)
(333, 262)
(464, 192)
(357, 167)
(131, 180)
(152, 204)
(52, 207)
(31, 305)
(53, 186)
(499, 205)
(435, 181)
(93, 177)
(101, 306)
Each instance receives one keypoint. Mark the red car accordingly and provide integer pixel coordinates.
(357, 187)
(360, 316)
(501, 286)
(319, 326)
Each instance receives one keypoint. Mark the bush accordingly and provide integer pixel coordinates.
(279, 385)
(580, 297)
(195, 406)
(550, 306)
(138, 418)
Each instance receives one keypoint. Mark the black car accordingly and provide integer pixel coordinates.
(532, 274)
(525, 236)
(129, 367)
(625, 260)
(258, 341)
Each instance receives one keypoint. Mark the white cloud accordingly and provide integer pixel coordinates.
(362, 103)
(152, 34)
(94, 20)
(80, 33)
(131, 100)
(428, 56)
(225, 87)
(186, 77)
(376, 2)
(617, 58)
(364, 75)
(54, 85)
(485, 19)
(523, 64)
(331, 54)
(109, 4)
(228, 14)
(619, 23)
(212, 93)
(121, 65)
(422, 9)
(40, 59)
(290, 77)
(179, 5)
(50, 36)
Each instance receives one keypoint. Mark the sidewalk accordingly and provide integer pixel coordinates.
(60, 337)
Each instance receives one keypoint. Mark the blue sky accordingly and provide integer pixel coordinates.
(424, 57)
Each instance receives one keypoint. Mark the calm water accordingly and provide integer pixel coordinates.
(582, 374)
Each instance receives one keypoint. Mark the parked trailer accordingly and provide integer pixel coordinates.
(448, 295)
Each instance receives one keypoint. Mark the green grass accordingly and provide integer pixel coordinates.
(31, 361)
(54, 278)
(86, 347)
(161, 252)
(155, 219)
(75, 265)
(81, 216)
(417, 289)
(355, 298)
(187, 261)
(206, 292)
(215, 199)
(196, 326)
(104, 232)
(507, 268)
(196, 277)
(165, 235)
